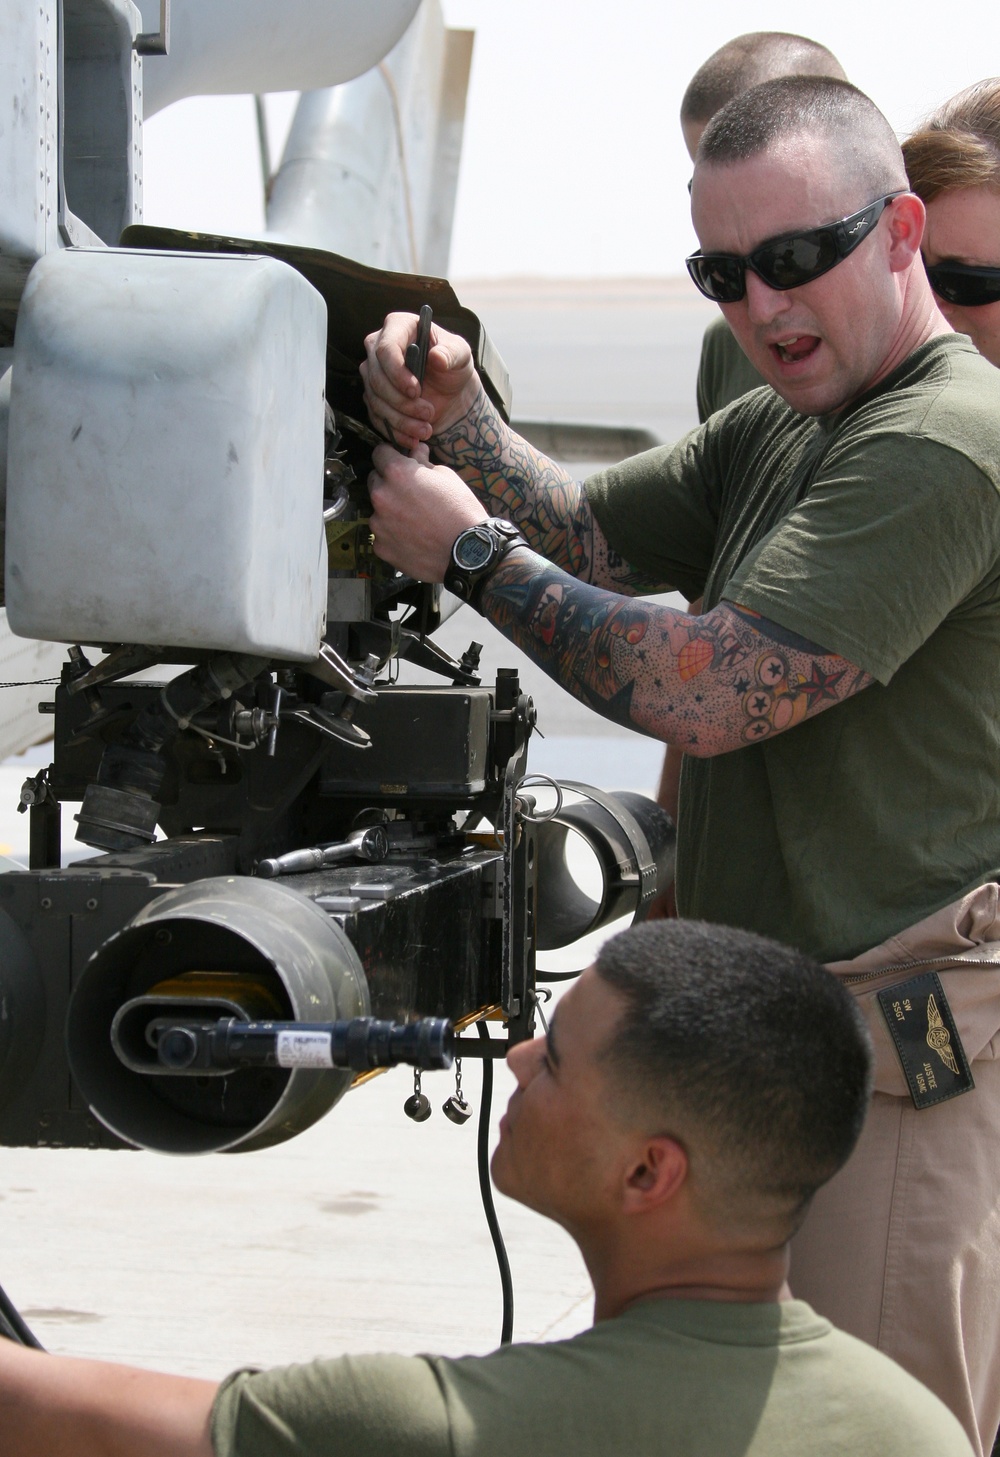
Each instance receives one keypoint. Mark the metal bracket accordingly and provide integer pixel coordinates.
(349, 545)
(122, 660)
(333, 725)
(636, 868)
(426, 654)
(155, 42)
(518, 935)
(330, 668)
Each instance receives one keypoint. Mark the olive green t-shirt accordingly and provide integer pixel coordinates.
(724, 371)
(670, 1378)
(877, 535)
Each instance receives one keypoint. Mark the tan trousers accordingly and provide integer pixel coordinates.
(902, 1247)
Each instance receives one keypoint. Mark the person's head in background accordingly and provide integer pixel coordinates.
(746, 61)
(953, 163)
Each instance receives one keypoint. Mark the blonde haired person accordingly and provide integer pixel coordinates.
(953, 163)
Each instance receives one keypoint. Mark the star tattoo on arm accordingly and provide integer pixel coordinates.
(709, 684)
(514, 480)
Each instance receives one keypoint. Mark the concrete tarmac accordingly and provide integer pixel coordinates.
(365, 1233)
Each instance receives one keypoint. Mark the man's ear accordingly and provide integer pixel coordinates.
(656, 1176)
(907, 216)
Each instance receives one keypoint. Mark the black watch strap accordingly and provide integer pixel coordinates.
(475, 555)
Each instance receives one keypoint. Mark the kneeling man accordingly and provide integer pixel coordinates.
(696, 1087)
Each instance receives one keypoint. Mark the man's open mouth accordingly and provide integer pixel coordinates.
(791, 351)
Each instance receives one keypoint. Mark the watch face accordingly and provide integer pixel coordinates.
(473, 550)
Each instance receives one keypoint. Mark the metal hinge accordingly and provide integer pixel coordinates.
(155, 42)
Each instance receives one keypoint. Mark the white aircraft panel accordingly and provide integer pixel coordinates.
(226, 46)
(370, 169)
(165, 459)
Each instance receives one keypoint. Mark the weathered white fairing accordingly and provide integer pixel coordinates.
(219, 46)
(370, 170)
(165, 455)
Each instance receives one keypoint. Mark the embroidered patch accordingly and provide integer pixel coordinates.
(923, 1029)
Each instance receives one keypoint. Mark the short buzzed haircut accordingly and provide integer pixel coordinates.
(762, 55)
(747, 1052)
(860, 137)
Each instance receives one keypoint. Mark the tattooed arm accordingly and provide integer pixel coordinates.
(514, 480)
(463, 429)
(707, 684)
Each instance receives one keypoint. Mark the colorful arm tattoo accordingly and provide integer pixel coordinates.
(707, 684)
(514, 480)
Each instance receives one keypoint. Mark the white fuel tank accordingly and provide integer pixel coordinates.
(165, 454)
(221, 46)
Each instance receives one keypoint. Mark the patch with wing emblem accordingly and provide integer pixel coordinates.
(938, 1036)
(923, 1030)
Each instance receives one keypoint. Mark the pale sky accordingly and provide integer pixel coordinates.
(573, 163)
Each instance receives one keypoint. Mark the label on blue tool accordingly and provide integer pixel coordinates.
(304, 1049)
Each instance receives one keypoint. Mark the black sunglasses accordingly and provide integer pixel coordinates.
(788, 261)
(962, 284)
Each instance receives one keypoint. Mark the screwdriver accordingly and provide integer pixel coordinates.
(415, 358)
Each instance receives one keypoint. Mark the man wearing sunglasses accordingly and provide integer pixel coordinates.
(724, 371)
(838, 701)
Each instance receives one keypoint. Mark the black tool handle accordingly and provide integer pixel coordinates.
(416, 353)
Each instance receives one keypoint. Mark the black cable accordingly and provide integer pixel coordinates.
(486, 1190)
(13, 1327)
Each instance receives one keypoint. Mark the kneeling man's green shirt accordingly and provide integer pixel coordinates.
(669, 1378)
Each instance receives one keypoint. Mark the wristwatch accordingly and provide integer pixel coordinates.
(476, 554)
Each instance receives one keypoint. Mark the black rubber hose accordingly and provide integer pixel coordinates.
(13, 1327)
(486, 1190)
